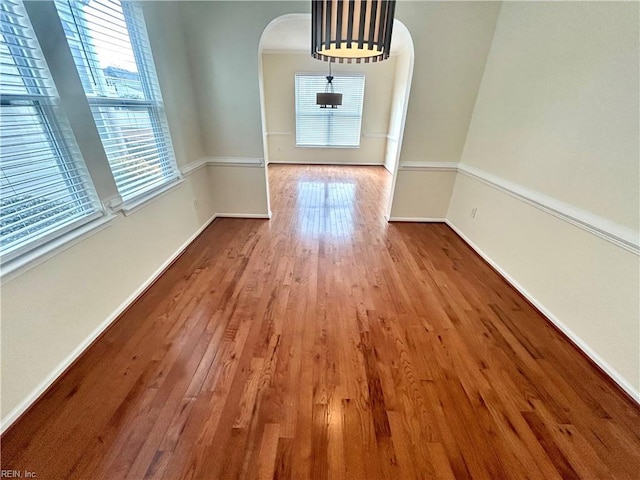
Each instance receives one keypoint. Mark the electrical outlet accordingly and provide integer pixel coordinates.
(473, 212)
(195, 203)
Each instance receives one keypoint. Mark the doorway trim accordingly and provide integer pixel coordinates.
(399, 106)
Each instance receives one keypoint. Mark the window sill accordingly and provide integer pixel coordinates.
(132, 206)
(35, 257)
(353, 147)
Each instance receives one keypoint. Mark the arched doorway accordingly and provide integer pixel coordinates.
(291, 33)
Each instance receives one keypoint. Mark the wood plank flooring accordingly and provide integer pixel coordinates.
(328, 344)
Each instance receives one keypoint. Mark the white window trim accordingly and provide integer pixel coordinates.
(335, 147)
(140, 201)
(51, 247)
(155, 106)
(65, 151)
(324, 74)
(25, 262)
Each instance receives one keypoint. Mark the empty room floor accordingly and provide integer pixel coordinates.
(327, 343)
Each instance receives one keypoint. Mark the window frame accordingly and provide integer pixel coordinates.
(152, 105)
(63, 148)
(329, 112)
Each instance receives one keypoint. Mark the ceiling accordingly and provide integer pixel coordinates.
(292, 33)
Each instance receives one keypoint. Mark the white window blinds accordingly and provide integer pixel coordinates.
(109, 43)
(328, 127)
(45, 189)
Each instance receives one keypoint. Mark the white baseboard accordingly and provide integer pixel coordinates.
(586, 349)
(346, 164)
(22, 407)
(243, 215)
(416, 219)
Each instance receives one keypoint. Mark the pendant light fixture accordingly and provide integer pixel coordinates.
(351, 30)
(329, 99)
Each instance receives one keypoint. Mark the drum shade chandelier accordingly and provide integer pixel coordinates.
(351, 30)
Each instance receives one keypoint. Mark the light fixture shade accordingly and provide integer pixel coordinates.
(327, 99)
(351, 30)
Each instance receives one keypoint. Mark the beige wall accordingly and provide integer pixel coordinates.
(422, 194)
(556, 125)
(399, 103)
(222, 39)
(451, 43)
(279, 92)
(558, 107)
(239, 190)
(451, 40)
(174, 74)
(585, 284)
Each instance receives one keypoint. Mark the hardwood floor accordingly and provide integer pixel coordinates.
(326, 343)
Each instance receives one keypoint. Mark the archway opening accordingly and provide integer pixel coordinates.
(288, 35)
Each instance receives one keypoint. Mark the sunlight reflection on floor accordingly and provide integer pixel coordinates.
(326, 209)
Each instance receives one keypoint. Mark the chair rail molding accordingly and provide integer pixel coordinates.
(613, 232)
(429, 166)
(192, 167)
(234, 162)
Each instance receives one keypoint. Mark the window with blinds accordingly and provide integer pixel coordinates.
(109, 43)
(328, 127)
(45, 189)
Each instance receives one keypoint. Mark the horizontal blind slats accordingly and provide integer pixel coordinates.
(328, 127)
(24, 54)
(142, 187)
(29, 211)
(18, 159)
(45, 188)
(112, 55)
(47, 180)
(11, 24)
(61, 212)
